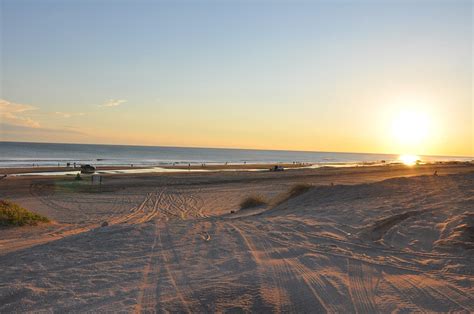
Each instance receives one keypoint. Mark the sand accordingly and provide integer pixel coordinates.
(366, 239)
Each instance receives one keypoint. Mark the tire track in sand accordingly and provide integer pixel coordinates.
(362, 284)
(280, 274)
(420, 289)
(325, 296)
(261, 272)
(160, 259)
(147, 296)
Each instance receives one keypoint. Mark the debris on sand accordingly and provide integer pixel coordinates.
(205, 236)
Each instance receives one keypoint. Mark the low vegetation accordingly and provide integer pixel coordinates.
(253, 201)
(12, 214)
(294, 191)
(258, 200)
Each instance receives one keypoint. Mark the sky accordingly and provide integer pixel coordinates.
(345, 76)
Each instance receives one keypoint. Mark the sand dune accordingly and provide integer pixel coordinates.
(399, 244)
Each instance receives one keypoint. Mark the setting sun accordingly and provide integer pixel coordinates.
(410, 127)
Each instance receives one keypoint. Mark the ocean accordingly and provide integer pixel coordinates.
(21, 154)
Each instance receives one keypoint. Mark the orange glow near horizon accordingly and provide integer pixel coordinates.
(409, 160)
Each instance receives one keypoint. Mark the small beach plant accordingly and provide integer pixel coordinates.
(12, 214)
(253, 201)
(294, 191)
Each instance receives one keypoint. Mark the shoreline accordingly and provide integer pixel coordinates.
(258, 167)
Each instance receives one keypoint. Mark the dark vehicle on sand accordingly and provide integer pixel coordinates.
(277, 168)
(87, 169)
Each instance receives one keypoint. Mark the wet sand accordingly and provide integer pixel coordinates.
(207, 167)
(365, 239)
(9, 171)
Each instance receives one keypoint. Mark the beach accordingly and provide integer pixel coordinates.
(236, 156)
(352, 239)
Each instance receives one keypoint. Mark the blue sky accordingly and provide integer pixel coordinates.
(316, 75)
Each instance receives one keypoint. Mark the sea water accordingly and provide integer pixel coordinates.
(21, 154)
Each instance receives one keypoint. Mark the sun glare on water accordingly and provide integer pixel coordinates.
(409, 160)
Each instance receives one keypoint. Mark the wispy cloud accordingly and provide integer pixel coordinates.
(20, 129)
(69, 114)
(16, 114)
(113, 103)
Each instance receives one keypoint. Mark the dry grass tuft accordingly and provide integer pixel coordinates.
(253, 201)
(12, 214)
(294, 191)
